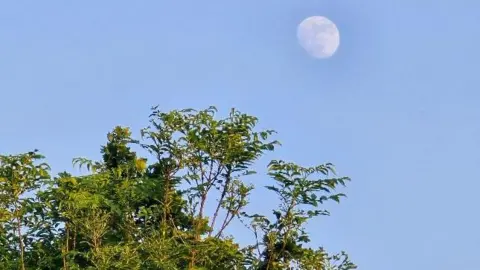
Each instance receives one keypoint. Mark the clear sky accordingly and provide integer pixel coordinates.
(396, 108)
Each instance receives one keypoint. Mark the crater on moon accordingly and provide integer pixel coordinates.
(319, 36)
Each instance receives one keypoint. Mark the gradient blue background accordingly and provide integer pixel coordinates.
(395, 108)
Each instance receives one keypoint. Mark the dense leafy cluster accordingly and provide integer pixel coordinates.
(127, 213)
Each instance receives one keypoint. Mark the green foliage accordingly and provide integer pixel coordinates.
(128, 213)
(19, 174)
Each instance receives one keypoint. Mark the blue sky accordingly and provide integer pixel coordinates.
(395, 109)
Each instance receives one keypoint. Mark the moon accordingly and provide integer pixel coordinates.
(319, 36)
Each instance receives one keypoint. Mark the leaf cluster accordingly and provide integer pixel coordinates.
(133, 212)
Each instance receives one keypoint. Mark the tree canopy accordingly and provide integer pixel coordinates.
(134, 212)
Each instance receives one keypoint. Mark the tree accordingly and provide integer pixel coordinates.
(128, 213)
(18, 175)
